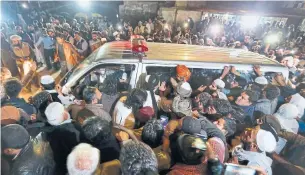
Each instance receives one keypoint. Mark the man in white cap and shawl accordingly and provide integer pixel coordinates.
(63, 136)
(22, 53)
(287, 115)
(216, 88)
(257, 142)
(47, 83)
(299, 102)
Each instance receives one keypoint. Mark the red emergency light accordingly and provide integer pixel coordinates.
(138, 44)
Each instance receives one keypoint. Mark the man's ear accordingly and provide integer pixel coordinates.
(259, 121)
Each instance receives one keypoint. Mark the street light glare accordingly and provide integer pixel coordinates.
(272, 38)
(249, 22)
(215, 29)
(24, 5)
(185, 25)
(84, 3)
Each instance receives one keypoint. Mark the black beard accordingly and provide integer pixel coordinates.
(246, 146)
(17, 45)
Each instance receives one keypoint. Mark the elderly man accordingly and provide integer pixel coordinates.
(83, 160)
(6, 59)
(258, 142)
(64, 135)
(22, 53)
(30, 155)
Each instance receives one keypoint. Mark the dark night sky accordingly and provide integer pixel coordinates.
(109, 9)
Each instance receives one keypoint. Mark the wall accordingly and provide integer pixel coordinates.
(134, 11)
(296, 21)
(168, 14)
(302, 25)
(182, 15)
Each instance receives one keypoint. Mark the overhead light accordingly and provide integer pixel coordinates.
(24, 5)
(117, 15)
(84, 3)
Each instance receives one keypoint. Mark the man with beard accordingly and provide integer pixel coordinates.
(256, 142)
(215, 89)
(24, 56)
(6, 59)
(95, 42)
(81, 45)
(63, 135)
(93, 97)
(66, 31)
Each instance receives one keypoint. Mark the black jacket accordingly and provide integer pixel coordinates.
(109, 149)
(63, 139)
(36, 158)
(20, 103)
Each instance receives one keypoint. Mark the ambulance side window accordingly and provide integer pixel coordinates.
(96, 76)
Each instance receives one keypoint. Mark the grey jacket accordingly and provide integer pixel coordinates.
(98, 111)
(108, 101)
(266, 106)
(211, 129)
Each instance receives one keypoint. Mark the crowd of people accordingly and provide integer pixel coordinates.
(180, 126)
(58, 44)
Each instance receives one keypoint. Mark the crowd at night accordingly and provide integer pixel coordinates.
(185, 120)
